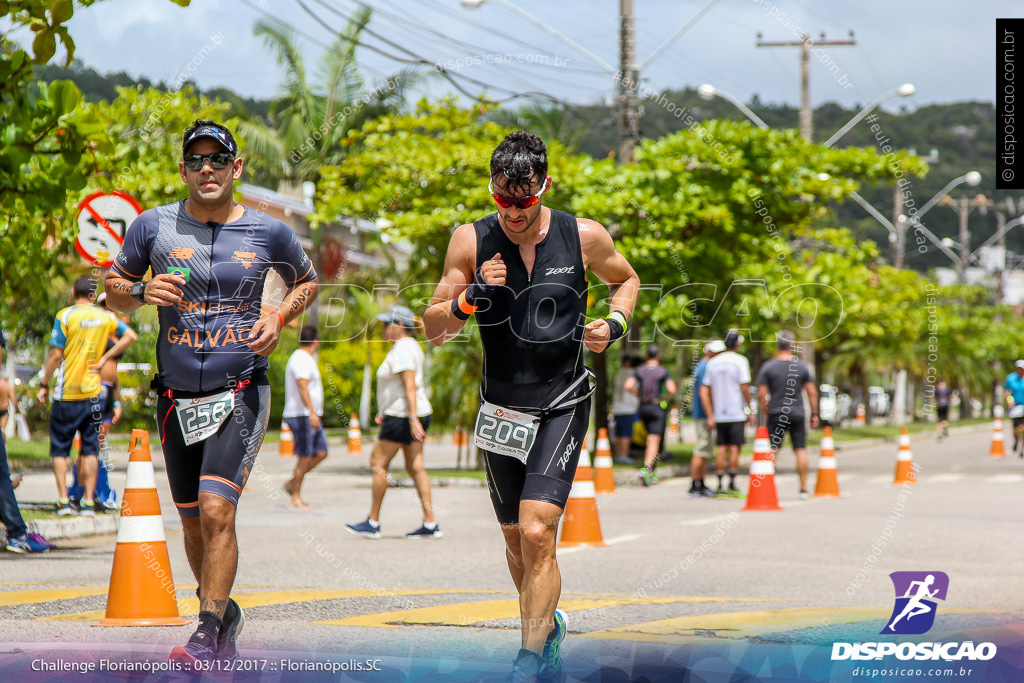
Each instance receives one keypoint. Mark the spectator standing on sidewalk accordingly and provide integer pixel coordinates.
(303, 410)
(404, 418)
(624, 408)
(702, 449)
(725, 394)
(18, 540)
(78, 348)
(781, 383)
(943, 397)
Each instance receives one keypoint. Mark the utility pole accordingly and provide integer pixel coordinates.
(629, 114)
(805, 43)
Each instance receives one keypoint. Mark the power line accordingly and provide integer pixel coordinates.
(418, 60)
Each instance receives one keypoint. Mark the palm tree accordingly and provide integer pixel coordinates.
(311, 119)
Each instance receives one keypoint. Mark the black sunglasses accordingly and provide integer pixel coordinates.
(218, 160)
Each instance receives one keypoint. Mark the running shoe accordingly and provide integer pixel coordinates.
(87, 509)
(648, 477)
(552, 655)
(231, 626)
(64, 508)
(365, 529)
(196, 653)
(526, 668)
(734, 492)
(721, 493)
(706, 492)
(424, 532)
(694, 492)
(804, 495)
(24, 544)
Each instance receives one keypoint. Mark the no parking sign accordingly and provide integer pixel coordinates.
(103, 218)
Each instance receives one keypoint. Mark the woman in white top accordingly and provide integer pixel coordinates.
(404, 417)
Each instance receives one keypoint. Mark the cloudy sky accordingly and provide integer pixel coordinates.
(944, 50)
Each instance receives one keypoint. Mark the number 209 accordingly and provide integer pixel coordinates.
(503, 431)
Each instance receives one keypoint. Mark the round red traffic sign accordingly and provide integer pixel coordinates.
(103, 218)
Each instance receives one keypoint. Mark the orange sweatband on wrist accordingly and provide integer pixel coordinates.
(462, 308)
(278, 314)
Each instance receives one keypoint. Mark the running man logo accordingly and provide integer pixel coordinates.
(182, 253)
(914, 613)
(245, 258)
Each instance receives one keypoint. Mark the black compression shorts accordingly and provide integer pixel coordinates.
(653, 417)
(780, 423)
(221, 463)
(550, 467)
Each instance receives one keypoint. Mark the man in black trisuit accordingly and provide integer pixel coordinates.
(210, 258)
(523, 272)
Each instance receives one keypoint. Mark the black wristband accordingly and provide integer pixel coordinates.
(477, 290)
(615, 330)
(457, 310)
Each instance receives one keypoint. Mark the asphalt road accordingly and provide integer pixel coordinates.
(676, 572)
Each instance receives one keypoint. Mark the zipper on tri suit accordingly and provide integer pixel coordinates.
(529, 298)
(206, 305)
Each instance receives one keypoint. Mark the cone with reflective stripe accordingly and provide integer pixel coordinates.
(287, 446)
(581, 525)
(861, 415)
(904, 461)
(355, 436)
(76, 444)
(997, 450)
(828, 478)
(763, 495)
(673, 423)
(141, 587)
(604, 476)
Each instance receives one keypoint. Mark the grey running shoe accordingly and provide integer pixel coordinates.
(231, 627)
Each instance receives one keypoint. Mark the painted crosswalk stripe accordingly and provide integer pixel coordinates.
(37, 595)
(469, 613)
(190, 606)
(739, 625)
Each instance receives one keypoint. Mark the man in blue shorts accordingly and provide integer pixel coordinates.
(1013, 389)
(210, 258)
(78, 346)
(303, 410)
(523, 272)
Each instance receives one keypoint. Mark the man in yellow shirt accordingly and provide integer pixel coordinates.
(77, 345)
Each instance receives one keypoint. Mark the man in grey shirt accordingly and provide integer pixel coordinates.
(780, 385)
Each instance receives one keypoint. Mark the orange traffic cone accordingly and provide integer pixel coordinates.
(763, 495)
(141, 587)
(904, 461)
(997, 450)
(828, 479)
(460, 439)
(76, 444)
(355, 436)
(604, 476)
(861, 415)
(673, 424)
(582, 526)
(287, 446)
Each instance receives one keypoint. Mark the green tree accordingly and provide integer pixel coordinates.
(46, 139)
(311, 120)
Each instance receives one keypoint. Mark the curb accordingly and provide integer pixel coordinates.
(71, 527)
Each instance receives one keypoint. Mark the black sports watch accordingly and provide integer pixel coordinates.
(138, 291)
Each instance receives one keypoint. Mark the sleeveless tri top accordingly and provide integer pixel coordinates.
(532, 331)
